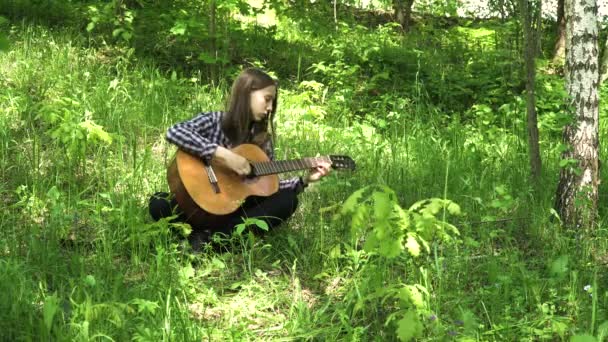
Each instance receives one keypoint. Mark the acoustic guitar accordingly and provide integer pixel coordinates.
(201, 190)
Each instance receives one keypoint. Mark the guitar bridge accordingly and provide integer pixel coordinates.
(212, 179)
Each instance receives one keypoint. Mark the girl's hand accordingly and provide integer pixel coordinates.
(317, 173)
(233, 161)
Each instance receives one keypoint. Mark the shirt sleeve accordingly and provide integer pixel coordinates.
(295, 184)
(197, 136)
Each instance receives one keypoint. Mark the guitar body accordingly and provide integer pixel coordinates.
(189, 182)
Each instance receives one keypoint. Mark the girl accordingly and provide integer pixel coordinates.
(210, 135)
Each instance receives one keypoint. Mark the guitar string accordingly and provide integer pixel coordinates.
(272, 167)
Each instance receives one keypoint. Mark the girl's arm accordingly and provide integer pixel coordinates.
(202, 137)
(199, 136)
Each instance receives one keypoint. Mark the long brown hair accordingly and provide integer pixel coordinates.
(238, 120)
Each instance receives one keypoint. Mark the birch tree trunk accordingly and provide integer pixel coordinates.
(529, 57)
(577, 192)
(403, 12)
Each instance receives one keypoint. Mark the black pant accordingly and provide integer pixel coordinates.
(273, 210)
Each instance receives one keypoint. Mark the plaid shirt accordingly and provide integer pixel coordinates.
(202, 135)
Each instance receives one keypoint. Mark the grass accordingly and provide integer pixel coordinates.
(82, 136)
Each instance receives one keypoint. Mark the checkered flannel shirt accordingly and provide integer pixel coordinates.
(202, 135)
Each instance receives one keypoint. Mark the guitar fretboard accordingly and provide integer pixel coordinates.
(274, 167)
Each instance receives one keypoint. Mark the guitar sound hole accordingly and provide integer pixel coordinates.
(250, 179)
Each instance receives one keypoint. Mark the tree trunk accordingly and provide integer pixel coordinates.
(501, 10)
(559, 51)
(529, 57)
(577, 192)
(403, 13)
(538, 27)
(213, 37)
(336, 14)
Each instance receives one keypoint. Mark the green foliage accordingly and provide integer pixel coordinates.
(82, 122)
(4, 43)
(112, 16)
(251, 222)
(386, 230)
(72, 127)
(50, 12)
(583, 338)
(439, 8)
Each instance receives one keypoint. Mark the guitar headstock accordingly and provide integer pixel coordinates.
(342, 162)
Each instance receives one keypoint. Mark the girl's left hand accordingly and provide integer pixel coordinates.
(318, 172)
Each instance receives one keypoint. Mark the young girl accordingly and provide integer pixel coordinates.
(210, 136)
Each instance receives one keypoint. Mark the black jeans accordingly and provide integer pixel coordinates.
(273, 210)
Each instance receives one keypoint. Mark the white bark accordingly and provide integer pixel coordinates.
(578, 189)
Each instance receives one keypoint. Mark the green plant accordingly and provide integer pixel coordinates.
(388, 232)
(72, 127)
(114, 16)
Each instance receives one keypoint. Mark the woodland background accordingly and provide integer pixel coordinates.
(442, 233)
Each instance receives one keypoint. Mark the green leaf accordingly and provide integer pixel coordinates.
(559, 266)
(263, 225)
(402, 217)
(95, 132)
(352, 201)
(183, 228)
(145, 306)
(206, 58)
(469, 321)
(409, 327)
(53, 194)
(434, 207)
(390, 247)
(187, 271)
(251, 221)
(4, 45)
(89, 280)
(418, 205)
(179, 29)
(51, 304)
(583, 338)
(236, 285)
(358, 220)
(240, 228)
(335, 252)
(117, 31)
(602, 331)
(453, 208)
(417, 292)
(382, 205)
(412, 246)
(413, 294)
(371, 243)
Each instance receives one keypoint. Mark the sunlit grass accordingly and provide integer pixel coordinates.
(82, 259)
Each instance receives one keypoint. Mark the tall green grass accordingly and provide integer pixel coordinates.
(82, 136)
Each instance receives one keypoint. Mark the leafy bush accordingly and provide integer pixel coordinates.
(390, 236)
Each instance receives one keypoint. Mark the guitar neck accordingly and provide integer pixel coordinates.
(274, 167)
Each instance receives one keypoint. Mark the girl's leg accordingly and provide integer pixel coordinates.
(274, 210)
(163, 205)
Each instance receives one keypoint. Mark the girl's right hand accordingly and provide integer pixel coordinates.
(233, 161)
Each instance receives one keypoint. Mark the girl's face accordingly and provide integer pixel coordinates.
(261, 102)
